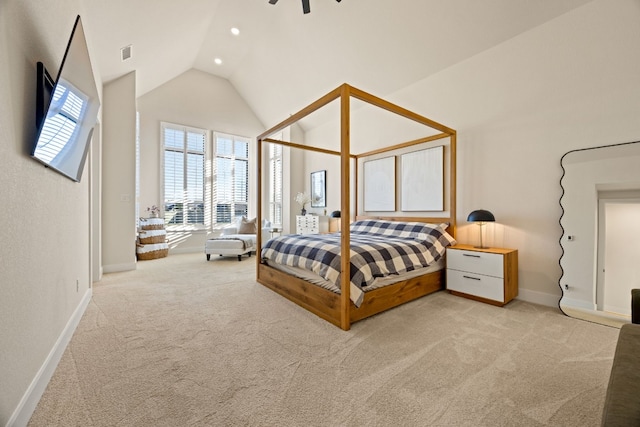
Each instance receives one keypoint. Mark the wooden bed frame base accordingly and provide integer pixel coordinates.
(326, 304)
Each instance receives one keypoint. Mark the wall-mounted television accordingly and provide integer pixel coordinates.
(67, 109)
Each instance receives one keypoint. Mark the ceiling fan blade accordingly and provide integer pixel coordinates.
(306, 7)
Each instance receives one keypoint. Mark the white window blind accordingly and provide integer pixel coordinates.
(231, 177)
(184, 175)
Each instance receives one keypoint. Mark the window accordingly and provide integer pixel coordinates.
(68, 108)
(199, 189)
(184, 163)
(275, 183)
(231, 177)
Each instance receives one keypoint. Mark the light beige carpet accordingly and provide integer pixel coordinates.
(185, 342)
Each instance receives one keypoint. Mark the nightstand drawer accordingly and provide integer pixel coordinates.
(477, 262)
(475, 284)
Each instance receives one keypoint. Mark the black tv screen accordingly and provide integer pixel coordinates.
(67, 112)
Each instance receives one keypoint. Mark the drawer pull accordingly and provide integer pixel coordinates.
(473, 278)
(473, 256)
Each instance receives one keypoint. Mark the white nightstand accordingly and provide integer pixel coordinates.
(487, 275)
(307, 224)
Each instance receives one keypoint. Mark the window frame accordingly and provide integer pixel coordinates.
(185, 225)
(234, 158)
(275, 153)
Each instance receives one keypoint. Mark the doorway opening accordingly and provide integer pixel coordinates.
(618, 257)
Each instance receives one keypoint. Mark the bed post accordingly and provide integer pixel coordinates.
(345, 201)
(452, 177)
(259, 207)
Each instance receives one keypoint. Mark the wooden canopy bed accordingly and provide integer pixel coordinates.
(338, 308)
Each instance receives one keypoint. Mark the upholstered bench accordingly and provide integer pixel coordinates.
(231, 244)
(237, 239)
(622, 402)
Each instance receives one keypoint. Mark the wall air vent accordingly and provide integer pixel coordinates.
(125, 53)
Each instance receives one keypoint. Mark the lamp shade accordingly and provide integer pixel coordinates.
(335, 214)
(481, 215)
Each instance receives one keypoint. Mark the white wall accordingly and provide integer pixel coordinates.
(622, 251)
(199, 100)
(45, 250)
(569, 83)
(95, 157)
(518, 107)
(119, 175)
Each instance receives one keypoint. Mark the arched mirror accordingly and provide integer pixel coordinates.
(600, 243)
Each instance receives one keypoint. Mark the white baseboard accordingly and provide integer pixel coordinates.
(578, 304)
(31, 397)
(116, 268)
(536, 297)
(617, 311)
(602, 317)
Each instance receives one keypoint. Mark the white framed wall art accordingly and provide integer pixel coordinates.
(423, 180)
(380, 185)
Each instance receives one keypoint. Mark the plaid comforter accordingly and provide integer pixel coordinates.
(378, 249)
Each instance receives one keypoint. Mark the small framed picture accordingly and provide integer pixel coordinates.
(319, 189)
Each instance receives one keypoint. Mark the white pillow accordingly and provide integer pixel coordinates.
(248, 226)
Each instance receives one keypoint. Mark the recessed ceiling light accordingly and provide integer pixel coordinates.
(218, 61)
(235, 31)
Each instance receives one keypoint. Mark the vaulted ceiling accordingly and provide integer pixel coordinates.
(284, 59)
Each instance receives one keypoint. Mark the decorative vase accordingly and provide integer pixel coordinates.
(153, 215)
(303, 211)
